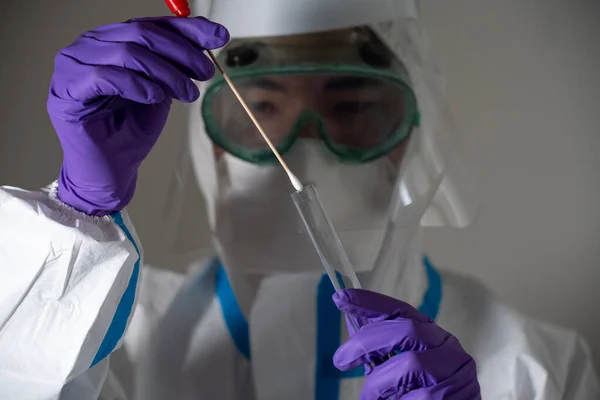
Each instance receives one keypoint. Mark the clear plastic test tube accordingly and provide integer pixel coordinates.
(324, 237)
(327, 243)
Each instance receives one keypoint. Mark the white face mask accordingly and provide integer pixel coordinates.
(258, 229)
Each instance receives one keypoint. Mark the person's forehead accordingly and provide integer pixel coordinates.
(327, 38)
(310, 83)
(289, 84)
(298, 81)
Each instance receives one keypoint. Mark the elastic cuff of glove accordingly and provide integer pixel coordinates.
(70, 211)
(98, 203)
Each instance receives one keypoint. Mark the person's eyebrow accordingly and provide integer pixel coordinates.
(263, 83)
(350, 82)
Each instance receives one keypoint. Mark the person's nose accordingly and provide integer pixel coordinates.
(309, 130)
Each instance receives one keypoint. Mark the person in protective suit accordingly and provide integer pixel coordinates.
(348, 93)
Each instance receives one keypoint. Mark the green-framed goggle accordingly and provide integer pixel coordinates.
(361, 110)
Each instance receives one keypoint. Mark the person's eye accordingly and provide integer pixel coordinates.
(263, 107)
(353, 107)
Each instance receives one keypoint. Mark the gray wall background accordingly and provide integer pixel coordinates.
(523, 80)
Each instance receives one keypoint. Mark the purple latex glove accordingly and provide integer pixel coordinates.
(110, 96)
(430, 364)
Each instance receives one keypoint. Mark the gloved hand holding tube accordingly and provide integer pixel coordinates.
(427, 361)
(405, 354)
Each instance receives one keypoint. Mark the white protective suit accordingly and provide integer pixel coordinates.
(74, 287)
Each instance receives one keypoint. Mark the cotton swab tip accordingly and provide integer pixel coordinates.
(295, 181)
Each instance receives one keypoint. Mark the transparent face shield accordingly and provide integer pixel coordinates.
(356, 112)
